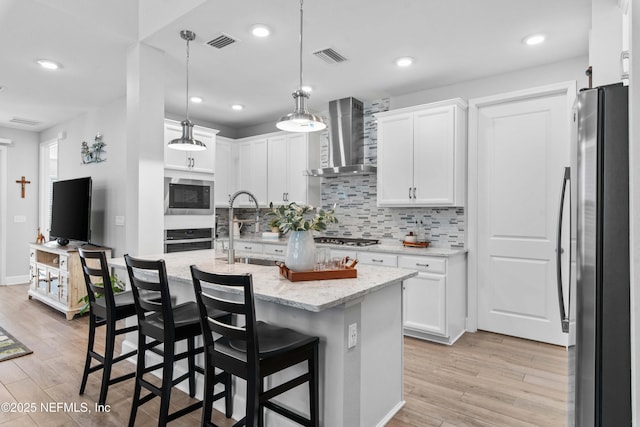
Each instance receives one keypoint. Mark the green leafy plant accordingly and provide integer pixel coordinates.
(295, 217)
(116, 284)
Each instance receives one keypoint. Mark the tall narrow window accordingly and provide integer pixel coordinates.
(48, 175)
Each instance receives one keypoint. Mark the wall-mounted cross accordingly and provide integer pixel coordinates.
(23, 182)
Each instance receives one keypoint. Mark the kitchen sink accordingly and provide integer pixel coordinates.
(251, 260)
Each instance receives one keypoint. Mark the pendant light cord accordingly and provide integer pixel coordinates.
(187, 79)
(300, 87)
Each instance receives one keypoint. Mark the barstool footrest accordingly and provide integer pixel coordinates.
(269, 394)
(287, 413)
(125, 356)
(184, 411)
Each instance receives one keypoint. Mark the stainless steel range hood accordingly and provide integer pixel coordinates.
(346, 140)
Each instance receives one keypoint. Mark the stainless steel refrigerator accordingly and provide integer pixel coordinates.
(600, 360)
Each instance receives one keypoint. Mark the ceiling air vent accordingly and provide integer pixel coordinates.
(330, 56)
(221, 41)
(22, 121)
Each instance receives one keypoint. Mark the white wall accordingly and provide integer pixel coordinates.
(109, 184)
(605, 41)
(22, 159)
(634, 208)
(571, 69)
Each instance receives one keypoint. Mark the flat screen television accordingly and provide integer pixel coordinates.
(71, 210)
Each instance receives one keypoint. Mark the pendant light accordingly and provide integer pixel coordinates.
(301, 120)
(186, 142)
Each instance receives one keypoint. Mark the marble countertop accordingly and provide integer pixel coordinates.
(268, 285)
(389, 246)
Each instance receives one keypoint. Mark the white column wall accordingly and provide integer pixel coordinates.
(144, 221)
(605, 41)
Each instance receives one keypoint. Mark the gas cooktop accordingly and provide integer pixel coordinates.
(346, 241)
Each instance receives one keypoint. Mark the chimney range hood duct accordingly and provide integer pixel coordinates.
(346, 140)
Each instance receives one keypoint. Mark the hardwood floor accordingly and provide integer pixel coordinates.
(483, 380)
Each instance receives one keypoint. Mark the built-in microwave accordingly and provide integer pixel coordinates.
(188, 196)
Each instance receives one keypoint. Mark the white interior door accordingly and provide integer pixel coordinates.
(522, 149)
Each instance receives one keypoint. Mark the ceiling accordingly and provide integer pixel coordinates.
(450, 40)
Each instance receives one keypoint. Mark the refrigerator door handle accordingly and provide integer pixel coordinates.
(564, 313)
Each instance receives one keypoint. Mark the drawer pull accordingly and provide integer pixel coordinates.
(377, 260)
(421, 265)
(279, 250)
(248, 247)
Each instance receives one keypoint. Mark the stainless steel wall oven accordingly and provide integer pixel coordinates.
(187, 239)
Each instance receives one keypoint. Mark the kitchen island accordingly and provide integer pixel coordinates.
(359, 386)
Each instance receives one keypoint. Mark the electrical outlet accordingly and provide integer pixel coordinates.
(119, 219)
(353, 335)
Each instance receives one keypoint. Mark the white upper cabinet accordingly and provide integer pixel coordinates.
(422, 155)
(289, 156)
(226, 165)
(251, 173)
(192, 161)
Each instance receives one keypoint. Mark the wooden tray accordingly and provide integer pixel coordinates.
(299, 276)
(416, 244)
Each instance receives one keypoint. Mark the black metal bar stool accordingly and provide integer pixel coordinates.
(253, 351)
(164, 324)
(105, 309)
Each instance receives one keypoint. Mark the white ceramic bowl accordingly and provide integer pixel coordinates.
(410, 239)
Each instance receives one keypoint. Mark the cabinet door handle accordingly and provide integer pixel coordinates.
(409, 192)
(414, 192)
(421, 265)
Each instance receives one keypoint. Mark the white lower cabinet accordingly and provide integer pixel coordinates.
(377, 258)
(247, 246)
(276, 250)
(425, 304)
(434, 301)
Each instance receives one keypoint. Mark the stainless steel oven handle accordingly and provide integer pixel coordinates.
(564, 313)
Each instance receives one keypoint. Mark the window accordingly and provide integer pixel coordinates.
(48, 175)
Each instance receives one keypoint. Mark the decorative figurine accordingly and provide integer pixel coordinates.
(39, 238)
(92, 154)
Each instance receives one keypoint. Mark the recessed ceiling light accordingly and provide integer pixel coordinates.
(534, 39)
(404, 62)
(237, 107)
(48, 64)
(260, 30)
(307, 89)
(196, 99)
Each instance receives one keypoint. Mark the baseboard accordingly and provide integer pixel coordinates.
(392, 413)
(17, 280)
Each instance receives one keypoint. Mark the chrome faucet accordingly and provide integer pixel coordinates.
(231, 252)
